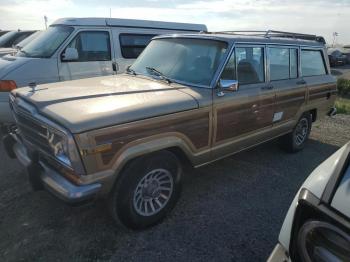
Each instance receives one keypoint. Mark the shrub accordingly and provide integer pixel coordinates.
(343, 87)
(343, 106)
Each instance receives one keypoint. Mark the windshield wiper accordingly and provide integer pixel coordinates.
(24, 52)
(155, 72)
(130, 71)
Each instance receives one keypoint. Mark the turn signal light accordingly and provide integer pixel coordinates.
(7, 85)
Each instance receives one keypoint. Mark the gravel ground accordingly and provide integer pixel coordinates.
(231, 210)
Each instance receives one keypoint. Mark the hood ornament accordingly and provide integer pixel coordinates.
(32, 85)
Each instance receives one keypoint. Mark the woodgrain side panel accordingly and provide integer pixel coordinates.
(242, 117)
(194, 126)
(290, 101)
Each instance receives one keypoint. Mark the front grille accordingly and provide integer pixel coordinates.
(30, 129)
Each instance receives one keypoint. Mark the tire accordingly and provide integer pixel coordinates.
(296, 140)
(137, 200)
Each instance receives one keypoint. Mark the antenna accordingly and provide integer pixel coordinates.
(45, 19)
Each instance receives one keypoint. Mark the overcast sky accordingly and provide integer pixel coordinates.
(321, 17)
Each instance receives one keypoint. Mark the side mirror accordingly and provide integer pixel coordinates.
(71, 54)
(229, 85)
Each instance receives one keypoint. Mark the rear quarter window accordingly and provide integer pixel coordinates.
(312, 63)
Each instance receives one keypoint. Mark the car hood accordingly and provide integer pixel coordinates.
(92, 103)
(10, 63)
(5, 51)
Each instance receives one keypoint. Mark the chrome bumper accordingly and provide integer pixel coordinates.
(49, 178)
(279, 254)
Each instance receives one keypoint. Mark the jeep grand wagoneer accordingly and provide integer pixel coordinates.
(187, 99)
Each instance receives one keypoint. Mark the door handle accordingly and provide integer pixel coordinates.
(115, 66)
(301, 82)
(268, 87)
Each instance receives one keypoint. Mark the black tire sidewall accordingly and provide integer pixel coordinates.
(302, 145)
(122, 197)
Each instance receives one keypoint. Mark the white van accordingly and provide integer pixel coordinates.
(73, 48)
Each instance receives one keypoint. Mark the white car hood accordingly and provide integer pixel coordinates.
(6, 51)
(10, 63)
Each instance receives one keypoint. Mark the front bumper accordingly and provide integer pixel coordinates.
(279, 254)
(42, 174)
(5, 112)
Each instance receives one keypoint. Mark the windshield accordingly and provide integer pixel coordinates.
(28, 39)
(7, 38)
(193, 61)
(45, 45)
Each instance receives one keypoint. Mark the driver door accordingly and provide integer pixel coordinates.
(243, 117)
(94, 56)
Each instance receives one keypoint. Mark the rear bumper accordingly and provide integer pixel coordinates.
(40, 174)
(279, 254)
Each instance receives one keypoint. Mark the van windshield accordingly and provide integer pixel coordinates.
(6, 38)
(192, 61)
(45, 45)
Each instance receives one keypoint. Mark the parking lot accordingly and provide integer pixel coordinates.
(231, 210)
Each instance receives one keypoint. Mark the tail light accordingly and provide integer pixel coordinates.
(7, 85)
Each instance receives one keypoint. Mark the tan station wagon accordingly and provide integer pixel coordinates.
(188, 99)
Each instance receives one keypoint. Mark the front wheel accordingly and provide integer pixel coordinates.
(147, 191)
(296, 140)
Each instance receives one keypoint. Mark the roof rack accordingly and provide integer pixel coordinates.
(273, 33)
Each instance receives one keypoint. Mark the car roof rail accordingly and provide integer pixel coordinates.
(274, 33)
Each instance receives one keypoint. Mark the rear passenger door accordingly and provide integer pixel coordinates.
(285, 79)
(95, 56)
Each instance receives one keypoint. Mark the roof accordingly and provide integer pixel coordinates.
(117, 22)
(254, 39)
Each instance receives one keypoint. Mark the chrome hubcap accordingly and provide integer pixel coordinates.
(301, 131)
(153, 192)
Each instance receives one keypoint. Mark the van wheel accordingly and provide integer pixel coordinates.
(296, 140)
(147, 190)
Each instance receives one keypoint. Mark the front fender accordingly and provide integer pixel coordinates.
(143, 147)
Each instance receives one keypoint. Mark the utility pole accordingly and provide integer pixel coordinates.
(110, 12)
(45, 19)
(335, 34)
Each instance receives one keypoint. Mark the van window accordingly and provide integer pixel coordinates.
(312, 63)
(250, 65)
(92, 46)
(132, 45)
(283, 63)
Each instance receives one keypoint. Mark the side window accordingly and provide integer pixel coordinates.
(92, 46)
(229, 72)
(293, 63)
(250, 65)
(312, 63)
(132, 45)
(283, 63)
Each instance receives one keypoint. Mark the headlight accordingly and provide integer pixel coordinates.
(59, 146)
(320, 241)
